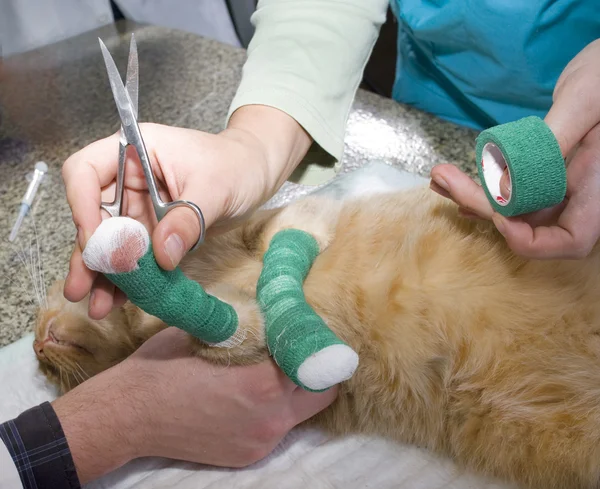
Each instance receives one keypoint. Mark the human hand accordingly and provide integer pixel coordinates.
(227, 175)
(163, 402)
(572, 228)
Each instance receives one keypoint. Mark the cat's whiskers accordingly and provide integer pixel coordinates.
(82, 371)
(60, 375)
(71, 365)
(78, 377)
(31, 259)
(19, 284)
(68, 381)
(40, 271)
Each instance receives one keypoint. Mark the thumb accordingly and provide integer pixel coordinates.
(179, 231)
(575, 110)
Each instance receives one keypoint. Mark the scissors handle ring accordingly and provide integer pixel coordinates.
(113, 208)
(161, 209)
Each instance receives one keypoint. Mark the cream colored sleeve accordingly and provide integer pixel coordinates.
(306, 58)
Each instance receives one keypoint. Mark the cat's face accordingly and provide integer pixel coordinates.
(71, 347)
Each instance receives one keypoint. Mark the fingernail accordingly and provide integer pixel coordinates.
(499, 223)
(442, 183)
(92, 299)
(439, 190)
(174, 249)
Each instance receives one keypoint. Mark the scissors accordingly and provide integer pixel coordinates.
(126, 98)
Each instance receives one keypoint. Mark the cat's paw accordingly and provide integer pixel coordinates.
(316, 216)
(116, 246)
(328, 367)
(248, 344)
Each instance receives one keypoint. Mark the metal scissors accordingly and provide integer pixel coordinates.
(126, 98)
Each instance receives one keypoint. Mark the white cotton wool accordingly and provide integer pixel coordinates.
(113, 234)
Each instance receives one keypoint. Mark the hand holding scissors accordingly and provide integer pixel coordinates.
(176, 172)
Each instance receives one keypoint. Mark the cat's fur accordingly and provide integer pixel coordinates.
(464, 348)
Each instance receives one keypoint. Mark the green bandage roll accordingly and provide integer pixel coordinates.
(535, 163)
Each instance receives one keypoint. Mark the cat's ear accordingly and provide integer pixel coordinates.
(116, 246)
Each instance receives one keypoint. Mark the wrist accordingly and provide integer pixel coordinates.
(282, 139)
(98, 421)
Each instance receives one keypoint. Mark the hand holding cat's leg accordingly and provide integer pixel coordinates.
(298, 339)
(120, 248)
(163, 402)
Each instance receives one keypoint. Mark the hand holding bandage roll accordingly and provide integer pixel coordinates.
(540, 216)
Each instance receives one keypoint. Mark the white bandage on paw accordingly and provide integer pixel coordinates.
(328, 367)
(116, 245)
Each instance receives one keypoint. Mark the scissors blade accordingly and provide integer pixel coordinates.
(132, 77)
(124, 103)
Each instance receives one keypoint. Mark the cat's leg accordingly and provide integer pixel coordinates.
(298, 339)
(248, 346)
(121, 249)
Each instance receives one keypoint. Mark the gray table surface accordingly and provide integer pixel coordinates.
(56, 100)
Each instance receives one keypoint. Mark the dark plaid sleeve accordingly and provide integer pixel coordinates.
(39, 449)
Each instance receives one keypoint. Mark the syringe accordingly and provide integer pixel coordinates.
(40, 171)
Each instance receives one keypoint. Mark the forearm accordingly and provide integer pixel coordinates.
(285, 142)
(306, 58)
(97, 422)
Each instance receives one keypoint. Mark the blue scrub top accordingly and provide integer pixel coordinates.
(480, 63)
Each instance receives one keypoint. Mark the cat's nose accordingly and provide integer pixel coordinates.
(38, 348)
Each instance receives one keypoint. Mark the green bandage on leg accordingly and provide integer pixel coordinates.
(120, 249)
(297, 337)
(177, 300)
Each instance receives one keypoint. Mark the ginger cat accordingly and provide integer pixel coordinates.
(464, 348)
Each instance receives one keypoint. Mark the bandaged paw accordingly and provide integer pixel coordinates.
(328, 367)
(116, 246)
(121, 249)
(299, 340)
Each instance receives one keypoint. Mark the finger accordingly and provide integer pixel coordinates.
(79, 279)
(463, 190)
(175, 235)
(120, 298)
(439, 190)
(85, 174)
(467, 214)
(577, 228)
(575, 110)
(101, 298)
(543, 242)
(179, 230)
(505, 184)
(306, 404)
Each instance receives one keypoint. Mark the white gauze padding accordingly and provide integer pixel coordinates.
(236, 339)
(328, 367)
(115, 243)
